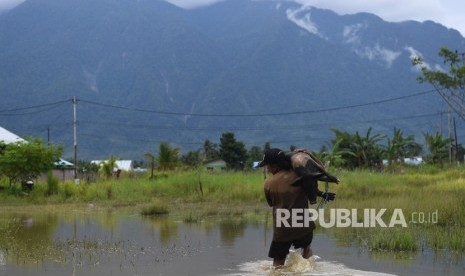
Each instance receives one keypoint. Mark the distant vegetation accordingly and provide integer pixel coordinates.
(346, 150)
(22, 161)
(450, 85)
(26, 161)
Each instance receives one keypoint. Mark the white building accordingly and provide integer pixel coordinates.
(123, 165)
(8, 137)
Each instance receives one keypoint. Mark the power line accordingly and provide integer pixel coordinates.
(32, 107)
(30, 112)
(287, 127)
(258, 115)
(55, 104)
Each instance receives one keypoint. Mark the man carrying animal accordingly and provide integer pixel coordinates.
(284, 190)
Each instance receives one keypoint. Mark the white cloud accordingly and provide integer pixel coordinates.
(301, 17)
(414, 53)
(378, 53)
(8, 4)
(351, 33)
(447, 12)
(387, 55)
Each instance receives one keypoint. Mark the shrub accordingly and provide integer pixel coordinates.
(52, 184)
(70, 189)
(155, 209)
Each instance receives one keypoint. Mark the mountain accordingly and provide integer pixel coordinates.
(147, 71)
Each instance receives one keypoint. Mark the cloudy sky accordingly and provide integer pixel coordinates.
(449, 13)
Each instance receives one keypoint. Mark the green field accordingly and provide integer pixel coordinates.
(422, 190)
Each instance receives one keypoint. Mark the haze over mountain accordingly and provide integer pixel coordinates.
(148, 71)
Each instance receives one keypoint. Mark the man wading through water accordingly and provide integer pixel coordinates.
(281, 192)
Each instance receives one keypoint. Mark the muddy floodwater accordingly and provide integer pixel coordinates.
(125, 243)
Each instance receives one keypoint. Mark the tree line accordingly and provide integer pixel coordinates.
(346, 150)
(368, 150)
(232, 151)
(27, 160)
(22, 161)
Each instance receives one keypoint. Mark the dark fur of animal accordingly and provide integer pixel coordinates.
(310, 170)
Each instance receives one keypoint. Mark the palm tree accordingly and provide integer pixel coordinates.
(168, 157)
(334, 157)
(211, 150)
(398, 148)
(106, 168)
(367, 150)
(357, 150)
(344, 143)
(438, 148)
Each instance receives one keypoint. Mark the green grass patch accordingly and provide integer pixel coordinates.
(155, 209)
(393, 240)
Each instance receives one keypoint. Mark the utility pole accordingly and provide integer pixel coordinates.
(450, 137)
(456, 144)
(48, 136)
(76, 180)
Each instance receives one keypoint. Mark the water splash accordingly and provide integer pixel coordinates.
(297, 265)
(2, 259)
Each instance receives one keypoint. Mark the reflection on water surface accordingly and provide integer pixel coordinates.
(128, 244)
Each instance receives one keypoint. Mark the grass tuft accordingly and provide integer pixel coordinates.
(155, 209)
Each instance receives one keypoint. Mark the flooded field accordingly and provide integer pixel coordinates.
(124, 243)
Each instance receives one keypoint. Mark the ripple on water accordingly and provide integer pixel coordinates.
(2, 259)
(296, 264)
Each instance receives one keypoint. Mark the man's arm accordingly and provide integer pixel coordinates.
(268, 196)
(310, 188)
